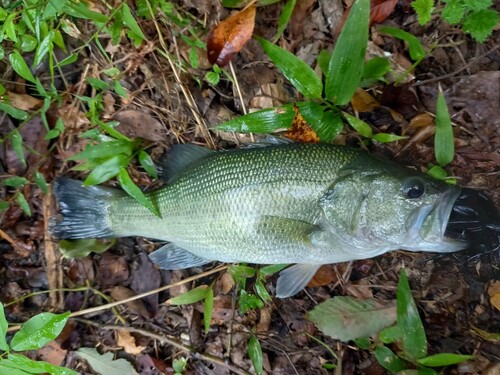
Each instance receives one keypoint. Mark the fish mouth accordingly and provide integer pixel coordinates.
(427, 225)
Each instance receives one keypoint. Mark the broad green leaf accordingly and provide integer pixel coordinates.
(53, 7)
(107, 169)
(326, 123)
(3, 205)
(71, 249)
(133, 190)
(417, 52)
(14, 112)
(11, 371)
(39, 331)
(105, 364)
(264, 121)
(255, 354)
(109, 128)
(271, 269)
(213, 78)
(9, 28)
(20, 362)
(44, 48)
(323, 60)
(79, 10)
(20, 67)
(194, 295)
(477, 5)
(261, 290)
(41, 183)
(294, 69)
(147, 164)
(453, 11)
(388, 360)
(3, 14)
(239, 270)
(444, 142)
(28, 43)
(51, 134)
(424, 9)
(345, 69)
(285, 16)
(97, 83)
(359, 125)
(390, 334)
(119, 89)
(17, 144)
(105, 150)
(208, 307)
(68, 60)
(3, 329)
(130, 22)
(480, 24)
(374, 71)
(363, 343)
(443, 359)
(347, 318)
(411, 327)
(179, 365)
(437, 172)
(15, 182)
(249, 301)
(386, 137)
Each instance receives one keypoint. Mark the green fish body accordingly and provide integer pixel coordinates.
(309, 204)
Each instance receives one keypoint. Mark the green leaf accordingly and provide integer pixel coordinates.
(179, 365)
(133, 190)
(388, 360)
(4, 205)
(39, 331)
(112, 72)
(238, 270)
(285, 16)
(41, 183)
(147, 164)
(17, 144)
(23, 203)
(480, 24)
(390, 334)
(417, 52)
(386, 137)
(271, 269)
(263, 121)
(28, 43)
(3, 329)
(9, 28)
(97, 83)
(10, 370)
(347, 318)
(411, 327)
(345, 69)
(44, 47)
(3, 14)
(80, 10)
(294, 69)
(249, 301)
(323, 60)
(78, 249)
(105, 364)
(15, 182)
(363, 343)
(119, 89)
(208, 307)
(109, 128)
(20, 67)
(255, 354)
(107, 169)
(437, 172)
(130, 22)
(477, 5)
(20, 362)
(443, 359)
(68, 60)
(453, 11)
(51, 134)
(105, 150)
(194, 295)
(14, 112)
(359, 125)
(262, 291)
(424, 9)
(375, 70)
(326, 123)
(53, 7)
(213, 78)
(444, 146)
(194, 60)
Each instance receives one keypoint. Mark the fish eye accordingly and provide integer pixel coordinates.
(413, 187)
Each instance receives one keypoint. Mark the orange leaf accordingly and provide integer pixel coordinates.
(363, 102)
(324, 276)
(229, 36)
(300, 130)
(380, 10)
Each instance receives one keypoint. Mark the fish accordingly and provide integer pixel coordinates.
(293, 203)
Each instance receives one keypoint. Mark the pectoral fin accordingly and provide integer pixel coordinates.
(172, 257)
(293, 279)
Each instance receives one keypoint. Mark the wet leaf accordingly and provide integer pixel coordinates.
(107, 169)
(263, 121)
(388, 360)
(444, 359)
(301, 131)
(3, 329)
(381, 10)
(347, 318)
(105, 364)
(416, 50)
(20, 67)
(359, 125)
(194, 295)
(255, 354)
(301, 75)
(229, 36)
(411, 327)
(20, 362)
(444, 142)
(208, 307)
(38, 331)
(345, 69)
(326, 123)
(44, 48)
(390, 334)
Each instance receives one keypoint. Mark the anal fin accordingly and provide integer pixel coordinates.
(173, 257)
(293, 279)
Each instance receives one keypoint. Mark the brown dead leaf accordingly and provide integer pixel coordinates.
(52, 353)
(380, 10)
(422, 120)
(127, 342)
(363, 102)
(119, 293)
(23, 101)
(228, 37)
(112, 270)
(494, 293)
(324, 276)
(300, 130)
(137, 124)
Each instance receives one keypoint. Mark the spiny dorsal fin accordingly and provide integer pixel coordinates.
(179, 158)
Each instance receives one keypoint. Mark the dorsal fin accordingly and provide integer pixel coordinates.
(179, 158)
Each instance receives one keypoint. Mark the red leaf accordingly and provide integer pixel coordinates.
(229, 36)
(380, 10)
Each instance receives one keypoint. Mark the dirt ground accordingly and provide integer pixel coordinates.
(170, 104)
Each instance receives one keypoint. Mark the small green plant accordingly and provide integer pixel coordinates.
(34, 334)
(400, 348)
(475, 16)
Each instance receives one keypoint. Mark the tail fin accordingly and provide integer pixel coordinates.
(84, 210)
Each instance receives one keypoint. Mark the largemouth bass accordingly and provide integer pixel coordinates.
(308, 204)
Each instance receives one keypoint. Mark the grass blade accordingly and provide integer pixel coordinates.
(444, 146)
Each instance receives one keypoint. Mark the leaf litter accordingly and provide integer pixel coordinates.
(159, 114)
